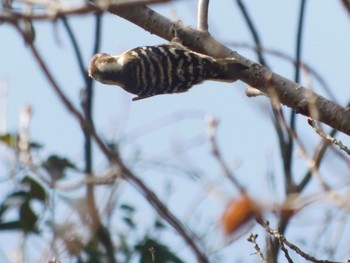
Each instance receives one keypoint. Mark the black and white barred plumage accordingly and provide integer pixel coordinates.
(153, 70)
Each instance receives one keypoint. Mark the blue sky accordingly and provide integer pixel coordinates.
(246, 135)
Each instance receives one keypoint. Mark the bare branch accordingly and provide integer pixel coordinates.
(346, 4)
(253, 30)
(288, 92)
(286, 57)
(212, 126)
(283, 240)
(285, 251)
(252, 238)
(313, 167)
(202, 19)
(51, 10)
(52, 14)
(327, 137)
(292, 123)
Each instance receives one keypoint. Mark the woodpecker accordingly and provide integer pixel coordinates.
(153, 70)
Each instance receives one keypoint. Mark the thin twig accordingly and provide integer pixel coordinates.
(252, 238)
(324, 144)
(318, 156)
(76, 48)
(281, 129)
(287, 145)
(299, 40)
(297, 76)
(87, 101)
(285, 251)
(313, 167)
(308, 68)
(253, 31)
(160, 123)
(202, 20)
(327, 137)
(212, 127)
(276, 111)
(283, 240)
(346, 4)
(87, 104)
(54, 10)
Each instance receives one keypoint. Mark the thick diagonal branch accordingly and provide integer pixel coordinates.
(278, 88)
(275, 86)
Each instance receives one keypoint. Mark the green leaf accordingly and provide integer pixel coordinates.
(124, 247)
(159, 224)
(128, 213)
(35, 145)
(92, 251)
(129, 222)
(27, 218)
(20, 202)
(127, 208)
(152, 251)
(36, 190)
(13, 200)
(10, 139)
(12, 225)
(56, 166)
(18, 194)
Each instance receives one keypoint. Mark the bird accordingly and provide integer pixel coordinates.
(169, 68)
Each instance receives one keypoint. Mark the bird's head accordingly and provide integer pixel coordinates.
(108, 69)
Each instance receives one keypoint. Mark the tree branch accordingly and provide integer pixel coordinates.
(76, 48)
(278, 88)
(346, 4)
(55, 9)
(252, 238)
(254, 32)
(275, 86)
(283, 240)
(202, 20)
(87, 99)
(290, 144)
(212, 127)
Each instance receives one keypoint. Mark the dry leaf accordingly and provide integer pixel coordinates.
(238, 213)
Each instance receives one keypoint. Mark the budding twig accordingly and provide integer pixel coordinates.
(252, 238)
(327, 137)
(212, 127)
(283, 241)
